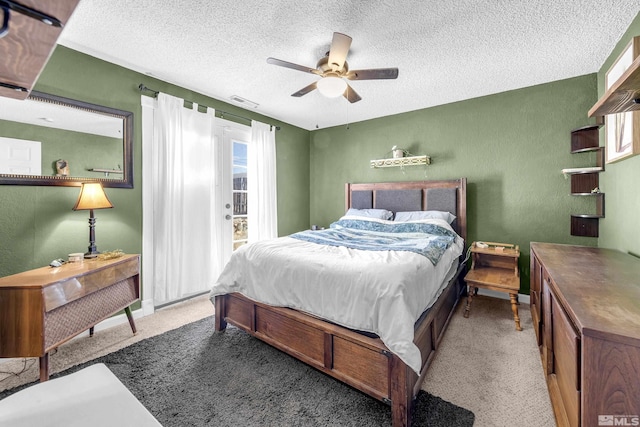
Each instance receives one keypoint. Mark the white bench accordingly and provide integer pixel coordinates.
(93, 396)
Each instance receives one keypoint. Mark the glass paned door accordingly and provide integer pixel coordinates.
(239, 167)
(233, 206)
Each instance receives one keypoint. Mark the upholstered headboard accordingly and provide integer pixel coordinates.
(447, 195)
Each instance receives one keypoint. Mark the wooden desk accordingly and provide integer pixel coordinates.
(495, 268)
(42, 308)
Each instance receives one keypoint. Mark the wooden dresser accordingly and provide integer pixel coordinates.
(585, 305)
(42, 308)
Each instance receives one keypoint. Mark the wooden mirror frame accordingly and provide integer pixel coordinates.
(127, 152)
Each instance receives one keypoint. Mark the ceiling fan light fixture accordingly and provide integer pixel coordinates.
(334, 71)
(331, 86)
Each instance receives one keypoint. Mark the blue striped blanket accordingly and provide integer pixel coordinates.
(429, 240)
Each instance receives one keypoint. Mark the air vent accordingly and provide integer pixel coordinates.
(242, 101)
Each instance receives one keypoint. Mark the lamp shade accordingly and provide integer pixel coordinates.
(92, 196)
(331, 86)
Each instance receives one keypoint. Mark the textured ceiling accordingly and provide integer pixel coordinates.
(445, 51)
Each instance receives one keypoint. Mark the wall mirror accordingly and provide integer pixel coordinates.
(51, 140)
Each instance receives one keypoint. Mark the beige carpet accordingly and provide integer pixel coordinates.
(489, 368)
(483, 363)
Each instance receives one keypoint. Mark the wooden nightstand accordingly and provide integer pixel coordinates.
(495, 267)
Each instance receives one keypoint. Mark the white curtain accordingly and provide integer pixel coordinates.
(261, 183)
(185, 245)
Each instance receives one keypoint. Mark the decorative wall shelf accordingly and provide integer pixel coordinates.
(623, 95)
(585, 181)
(590, 169)
(401, 161)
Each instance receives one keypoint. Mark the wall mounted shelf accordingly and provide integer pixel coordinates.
(585, 181)
(623, 95)
(591, 169)
(401, 161)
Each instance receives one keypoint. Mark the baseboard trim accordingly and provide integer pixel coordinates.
(145, 310)
(113, 321)
(147, 307)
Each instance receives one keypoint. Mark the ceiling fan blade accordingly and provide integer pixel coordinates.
(351, 95)
(373, 74)
(338, 51)
(291, 65)
(305, 90)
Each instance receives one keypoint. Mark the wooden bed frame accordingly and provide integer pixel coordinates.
(351, 357)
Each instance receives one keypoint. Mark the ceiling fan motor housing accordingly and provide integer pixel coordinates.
(324, 67)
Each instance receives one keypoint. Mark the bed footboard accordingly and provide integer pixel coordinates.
(355, 359)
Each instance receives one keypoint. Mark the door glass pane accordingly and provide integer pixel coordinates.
(240, 224)
(239, 166)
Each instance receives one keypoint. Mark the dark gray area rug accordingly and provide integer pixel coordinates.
(193, 376)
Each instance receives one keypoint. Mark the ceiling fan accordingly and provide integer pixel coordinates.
(333, 69)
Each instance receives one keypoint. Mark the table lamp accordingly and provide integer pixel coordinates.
(92, 196)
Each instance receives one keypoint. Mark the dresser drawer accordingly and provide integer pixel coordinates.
(566, 362)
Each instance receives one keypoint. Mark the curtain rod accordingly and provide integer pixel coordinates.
(143, 88)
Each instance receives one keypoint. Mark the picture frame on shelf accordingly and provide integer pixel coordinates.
(622, 130)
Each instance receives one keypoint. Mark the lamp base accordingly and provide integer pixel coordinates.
(92, 250)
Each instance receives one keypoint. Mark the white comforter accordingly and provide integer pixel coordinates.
(383, 292)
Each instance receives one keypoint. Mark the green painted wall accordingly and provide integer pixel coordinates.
(620, 229)
(510, 146)
(37, 223)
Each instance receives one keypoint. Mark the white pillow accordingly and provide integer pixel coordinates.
(418, 215)
(370, 213)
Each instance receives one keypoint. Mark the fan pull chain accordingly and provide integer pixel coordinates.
(348, 88)
(317, 108)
